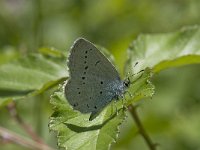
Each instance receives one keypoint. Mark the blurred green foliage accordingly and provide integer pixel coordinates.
(171, 117)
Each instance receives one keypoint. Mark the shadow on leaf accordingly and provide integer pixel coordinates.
(79, 129)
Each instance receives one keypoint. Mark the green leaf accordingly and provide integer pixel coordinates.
(30, 75)
(162, 51)
(74, 129)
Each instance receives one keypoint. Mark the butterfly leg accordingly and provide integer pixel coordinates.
(123, 98)
(124, 107)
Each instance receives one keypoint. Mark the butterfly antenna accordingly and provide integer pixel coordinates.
(136, 63)
(127, 81)
(130, 75)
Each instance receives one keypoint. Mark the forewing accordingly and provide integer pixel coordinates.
(90, 87)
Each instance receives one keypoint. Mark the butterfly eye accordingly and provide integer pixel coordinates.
(127, 82)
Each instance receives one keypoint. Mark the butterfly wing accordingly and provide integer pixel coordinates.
(94, 80)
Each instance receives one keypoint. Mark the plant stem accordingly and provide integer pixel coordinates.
(10, 136)
(132, 110)
(13, 112)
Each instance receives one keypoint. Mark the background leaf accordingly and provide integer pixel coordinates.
(162, 51)
(30, 74)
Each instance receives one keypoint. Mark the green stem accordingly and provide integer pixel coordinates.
(14, 114)
(132, 110)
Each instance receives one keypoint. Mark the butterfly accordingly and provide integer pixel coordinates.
(94, 82)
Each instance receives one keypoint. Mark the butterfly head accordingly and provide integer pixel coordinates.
(127, 82)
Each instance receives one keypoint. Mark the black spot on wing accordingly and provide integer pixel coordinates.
(75, 104)
(97, 62)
